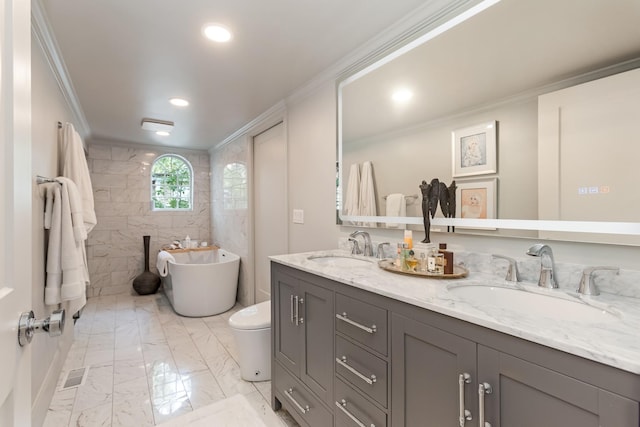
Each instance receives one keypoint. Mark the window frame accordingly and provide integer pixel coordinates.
(152, 186)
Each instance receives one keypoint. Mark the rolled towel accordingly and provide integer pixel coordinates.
(163, 262)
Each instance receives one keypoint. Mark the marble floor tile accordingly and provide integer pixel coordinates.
(202, 389)
(149, 366)
(98, 416)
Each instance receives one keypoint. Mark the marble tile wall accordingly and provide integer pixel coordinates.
(231, 226)
(120, 175)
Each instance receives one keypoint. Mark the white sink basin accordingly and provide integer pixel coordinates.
(340, 261)
(521, 301)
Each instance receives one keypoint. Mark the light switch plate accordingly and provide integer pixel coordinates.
(298, 216)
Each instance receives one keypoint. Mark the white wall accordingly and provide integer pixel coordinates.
(311, 137)
(48, 107)
(231, 228)
(120, 175)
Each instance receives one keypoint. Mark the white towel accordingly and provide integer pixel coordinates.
(352, 196)
(162, 263)
(367, 194)
(67, 275)
(396, 206)
(73, 165)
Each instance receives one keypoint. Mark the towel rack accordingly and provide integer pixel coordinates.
(43, 179)
(413, 196)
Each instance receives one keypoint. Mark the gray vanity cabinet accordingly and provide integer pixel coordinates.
(523, 394)
(441, 372)
(302, 319)
(345, 357)
(427, 365)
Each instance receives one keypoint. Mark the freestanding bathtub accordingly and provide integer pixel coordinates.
(202, 282)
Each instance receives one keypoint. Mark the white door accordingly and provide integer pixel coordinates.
(270, 205)
(15, 209)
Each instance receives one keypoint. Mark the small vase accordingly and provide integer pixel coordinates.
(147, 282)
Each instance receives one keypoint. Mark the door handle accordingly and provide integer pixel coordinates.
(464, 414)
(28, 326)
(291, 306)
(483, 389)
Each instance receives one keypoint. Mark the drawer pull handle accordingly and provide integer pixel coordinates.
(343, 362)
(483, 389)
(304, 409)
(343, 406)
(344, 318)
(465, 414)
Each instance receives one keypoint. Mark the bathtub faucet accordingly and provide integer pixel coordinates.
(368, 250)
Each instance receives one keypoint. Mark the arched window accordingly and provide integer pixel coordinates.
(235, 186)
(171, 183)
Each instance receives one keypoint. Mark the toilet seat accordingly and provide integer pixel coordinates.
(254, 317)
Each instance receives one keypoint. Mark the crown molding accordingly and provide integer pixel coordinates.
(41, 30)
(268, 118)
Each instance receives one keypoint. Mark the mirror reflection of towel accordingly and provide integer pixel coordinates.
(367, 194)
(396, 206)
(352, 198)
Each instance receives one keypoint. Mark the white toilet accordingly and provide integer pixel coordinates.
(251, 328)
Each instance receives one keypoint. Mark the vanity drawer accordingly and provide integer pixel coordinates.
(352, 408)
(363, 322)
(299, 401)
(363, 370)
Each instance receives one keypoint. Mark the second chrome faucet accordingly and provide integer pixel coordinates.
(547, 265)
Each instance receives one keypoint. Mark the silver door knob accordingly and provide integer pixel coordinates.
(28, 325)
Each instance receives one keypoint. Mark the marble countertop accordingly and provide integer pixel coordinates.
(614, 342)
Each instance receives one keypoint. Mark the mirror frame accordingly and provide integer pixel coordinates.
(592, 227)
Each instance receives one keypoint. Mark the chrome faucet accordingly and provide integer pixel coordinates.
(368, 250)
(512, 271)
(587, 286)
(380, 251)
(547, 265)
(355, 249)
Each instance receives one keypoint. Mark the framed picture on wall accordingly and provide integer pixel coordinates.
(477, 200)
(474, 150)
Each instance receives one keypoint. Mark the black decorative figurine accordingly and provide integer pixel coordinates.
(147, 282)
(426, 190)
(433, 193)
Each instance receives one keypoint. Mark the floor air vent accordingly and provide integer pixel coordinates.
(75, 378)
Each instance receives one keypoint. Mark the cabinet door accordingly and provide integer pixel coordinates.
(426, 364)
(316, 311)
(287, 329)
(527, 395)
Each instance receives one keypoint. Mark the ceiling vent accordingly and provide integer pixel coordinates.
(155, 125)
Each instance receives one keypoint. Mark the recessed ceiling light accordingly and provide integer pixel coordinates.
(402, 96)
(179, 102)
(162, 133)
(217, 33)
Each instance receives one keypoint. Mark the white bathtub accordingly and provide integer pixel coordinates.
(202, 282)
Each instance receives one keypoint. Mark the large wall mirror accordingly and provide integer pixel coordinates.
(531, 106)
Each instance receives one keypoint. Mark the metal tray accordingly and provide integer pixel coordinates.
(458, 271)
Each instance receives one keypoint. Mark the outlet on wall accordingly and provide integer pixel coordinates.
(298, 216)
